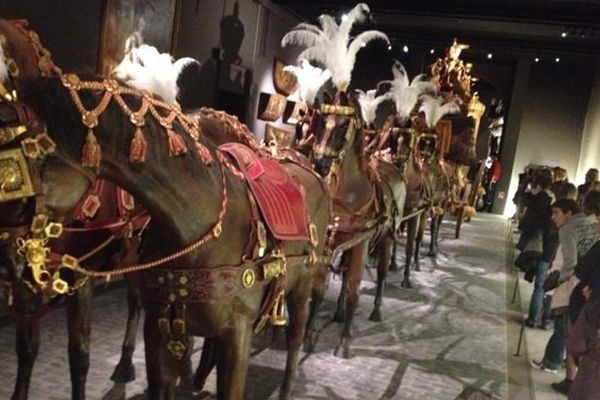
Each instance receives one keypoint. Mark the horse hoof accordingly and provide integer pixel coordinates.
(432, 253)
(375, 316)
(339, 317)
(344, 350)
(393, 267)
(417, 267)
(124, 372)
(199, 383)
(285, 392)
(406, 284)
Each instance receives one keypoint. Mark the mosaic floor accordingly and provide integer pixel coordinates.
(444, 339)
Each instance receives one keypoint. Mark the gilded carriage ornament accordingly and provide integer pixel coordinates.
(15, 181)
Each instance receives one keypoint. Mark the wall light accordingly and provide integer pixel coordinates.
(557, 59)
(564, 34)
(405, 48)
(489, 56)
(432, 51)
(537, 59)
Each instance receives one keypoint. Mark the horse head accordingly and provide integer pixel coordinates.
(336, 134)
(30, 181)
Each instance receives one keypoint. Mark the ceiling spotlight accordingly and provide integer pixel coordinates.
(564, 34)
(431, 51)
(389, 47)
(557, 59)
(405, 48)
(489, 56)
(537, 59)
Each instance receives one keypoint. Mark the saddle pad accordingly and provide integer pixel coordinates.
(279, 198)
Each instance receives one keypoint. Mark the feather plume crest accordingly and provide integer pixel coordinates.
(146, 68)
(310, 79)
(3, 67)
(369, 102)
(406, 95)
(434, 109)
(330, 44)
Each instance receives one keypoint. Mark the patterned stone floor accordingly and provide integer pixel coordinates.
(444, 339)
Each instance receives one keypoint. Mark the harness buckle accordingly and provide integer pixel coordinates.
(275, 268)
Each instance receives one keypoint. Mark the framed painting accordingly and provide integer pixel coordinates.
(130, 23)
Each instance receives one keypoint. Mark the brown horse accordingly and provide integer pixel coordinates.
(365, 209)
(404, 153)
(93, 235)
(179, 193)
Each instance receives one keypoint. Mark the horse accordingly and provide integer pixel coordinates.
(217, 291)
(101, 215)
(364, 210)
(428, 181)
(440, 175)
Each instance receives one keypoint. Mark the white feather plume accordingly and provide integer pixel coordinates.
(369, 102)
(434, 109)
(310, 79)
(406, 95)
(146, 68)
(3, 68)
(330, 44)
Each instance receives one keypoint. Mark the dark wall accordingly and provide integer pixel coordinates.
(554, 106)
(70, 29)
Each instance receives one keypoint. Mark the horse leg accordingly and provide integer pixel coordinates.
(297, 303)
(393, 261)
(208, 360)
(436, 222)
(459, 221)
(419, 242)
(162, 369)
(232, 366)
(384, 249)
(79, 313)
(125, 370)
(27, 346)
(433, 228)
(358, 259)
(340, 311)
(411, 233)
(318, 292)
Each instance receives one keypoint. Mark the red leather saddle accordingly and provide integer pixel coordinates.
(279, 197)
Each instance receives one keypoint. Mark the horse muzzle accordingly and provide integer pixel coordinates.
(322, 165)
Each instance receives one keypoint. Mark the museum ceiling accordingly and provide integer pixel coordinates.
(537, 27)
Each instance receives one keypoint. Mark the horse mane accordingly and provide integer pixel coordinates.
(231, 129)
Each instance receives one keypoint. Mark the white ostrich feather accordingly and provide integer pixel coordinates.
(3, 68)
(310, 79)
(434, 109)
(369, 102)
(146, 68)
(331, 46)
(406, 95)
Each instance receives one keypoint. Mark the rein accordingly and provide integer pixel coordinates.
(213, 233)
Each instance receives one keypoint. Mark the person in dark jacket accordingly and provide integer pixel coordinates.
(537, 224)
(584, 342)
(587, 269)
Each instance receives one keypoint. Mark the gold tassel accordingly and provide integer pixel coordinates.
(91, 150)
(176, 144)
(139, 147)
